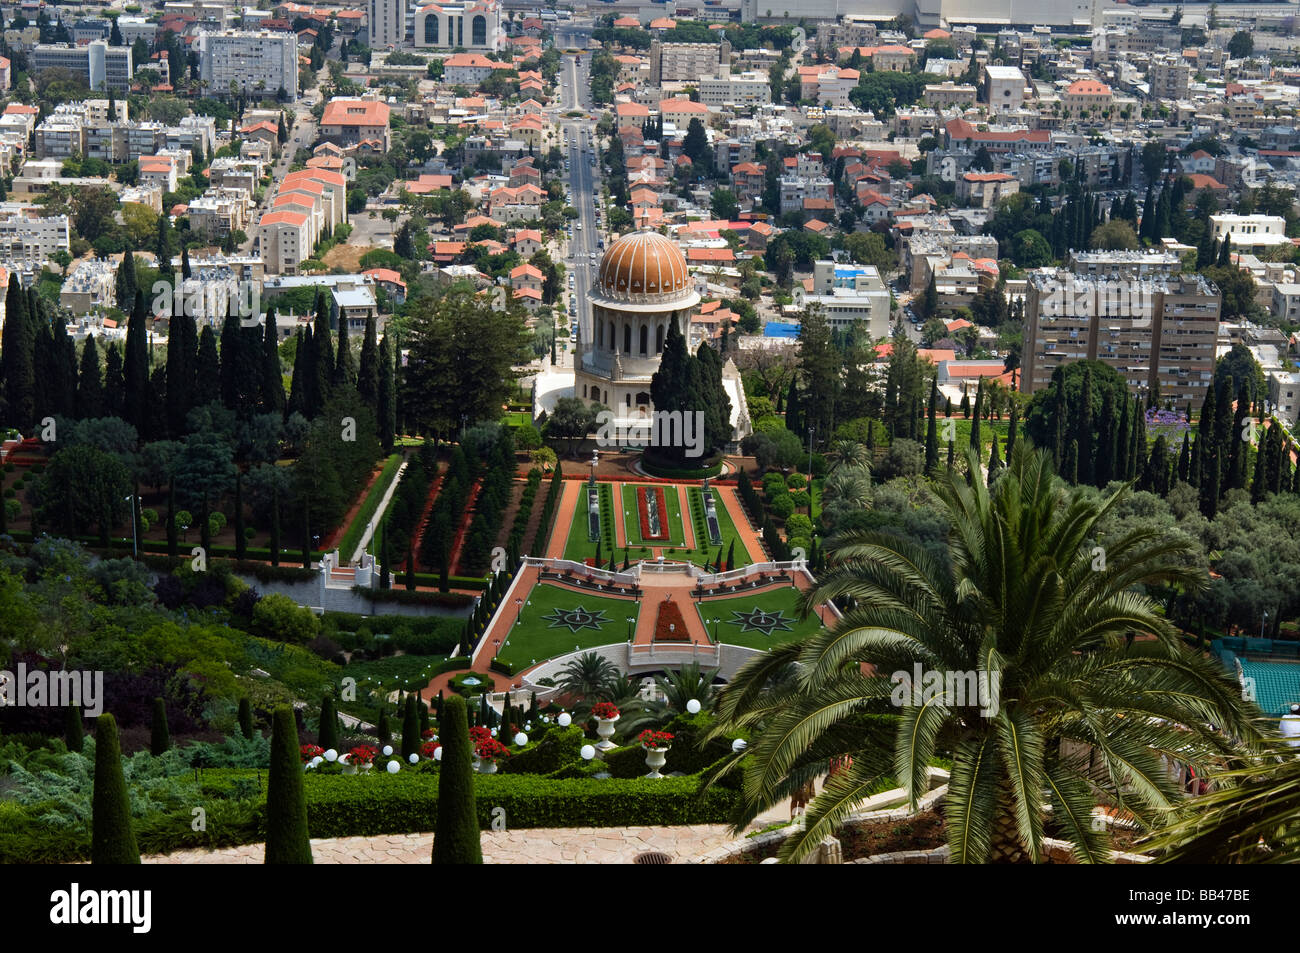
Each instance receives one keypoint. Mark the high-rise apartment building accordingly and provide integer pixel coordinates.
(1137, 312)
(102, 66)
(262, 62)
(387, 23)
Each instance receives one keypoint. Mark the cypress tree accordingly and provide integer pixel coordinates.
(124, 283)
(297, 402)
(1223, 434)
(272, 390)
(793, 418)
(287, 840)
(456, 834)
(1104, 470)
(185, 262)
(965, 405)
(1259, 486)
(163, 248)
(1083, 428)
(172, 541)
(382, 730)
(1277, 461)
(160, 738)
(241, 544)
(112, 839)
(136, 369)
(386, 404)
(328, 736)
(180, 375)
(323, 358)
(90, 383)
(1225, 253)
(345, 368)
(931, 430)
(995, 461)
(1239, 448)
(368, 369)
(1138, 448)
(73, 731)
(231, 362)
(424, 715)
(1012, 427)
(1071, 472)
(731, 562)
(207, 365)
(275, 526)
(975, 422)
(1120, 443)
(1185, 458)
(246, 718)
(411, 729)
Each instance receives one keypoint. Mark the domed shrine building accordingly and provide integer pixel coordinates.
(642, 287)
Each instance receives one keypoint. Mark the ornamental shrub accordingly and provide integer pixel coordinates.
(160, 738)
(382, 730)
(112, 838)
(73, 733)
(328, 736)
(246, 718)
(411, 729)
(782, 505)
(456, 836)
(287, 841)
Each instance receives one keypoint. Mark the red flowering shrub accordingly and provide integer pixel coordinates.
(604, 710)
(362, 754)
(643, 512)
(479, 734)
(655, 740)
(308, 752)
(670, 625)
(429, 747)
(491, 750)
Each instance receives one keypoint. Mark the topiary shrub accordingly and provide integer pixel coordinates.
(782, 505)
(73, 733)
(287, 841)
(411, 728)
(112, 838)
(246, 718)
(328, 736)
(456, 836)
(160, 738)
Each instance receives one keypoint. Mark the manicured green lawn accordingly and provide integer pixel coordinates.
(672, 518)
(352, 537)
(733, 631)
(579, 548)
(539, 635)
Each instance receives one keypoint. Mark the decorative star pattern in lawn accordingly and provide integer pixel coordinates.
(759, 620)
(576, 619)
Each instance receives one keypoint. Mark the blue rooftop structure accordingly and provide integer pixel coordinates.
(776, 329)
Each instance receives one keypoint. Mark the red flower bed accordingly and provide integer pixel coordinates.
(492, 750)
(670, 615)
(363, 754)
(643, 511)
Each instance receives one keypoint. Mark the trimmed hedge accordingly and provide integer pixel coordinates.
(674, 473)
(505, 668)
(449, 600)
(685, 756)
(367, 805)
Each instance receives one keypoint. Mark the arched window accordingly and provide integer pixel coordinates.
(627, 339)
(659, 340)
(645, 338)
(431, 24)
(478, 31)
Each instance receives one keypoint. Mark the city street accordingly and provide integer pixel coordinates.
(584, 188)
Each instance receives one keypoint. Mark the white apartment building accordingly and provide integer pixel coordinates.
(102, 66)
(26, 237)
(258, 62)
(285, 240)
(745, 89)
(1250, 232)
(1003, 88)
(848, 294)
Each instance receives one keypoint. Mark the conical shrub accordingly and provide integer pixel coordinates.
(112, 841)
(73, 730)
(328, 737)
(246, 718)
(456, 833)
(160, 739)
(383, 730)
(287, 841)
(411, 729)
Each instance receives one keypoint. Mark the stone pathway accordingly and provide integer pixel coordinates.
(379, 515)
(560, 845)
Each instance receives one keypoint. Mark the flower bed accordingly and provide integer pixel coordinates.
(670, 626)
(652, 510)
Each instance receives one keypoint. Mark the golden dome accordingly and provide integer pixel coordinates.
(643, 264)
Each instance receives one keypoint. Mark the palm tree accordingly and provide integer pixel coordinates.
(677, 688)
(589, 678)
(1023, 603)
(849, 453)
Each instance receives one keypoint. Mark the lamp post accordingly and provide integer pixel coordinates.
(630, 620)
(135, 545)
(715, 622)
(811, 431)
(519, 610)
